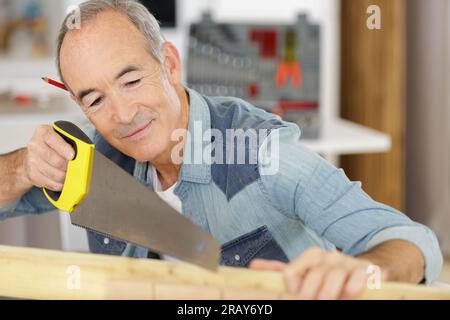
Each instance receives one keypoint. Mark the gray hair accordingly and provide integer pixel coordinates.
(137, 13)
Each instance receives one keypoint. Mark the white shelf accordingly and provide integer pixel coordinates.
(345, 137)
(26, 68)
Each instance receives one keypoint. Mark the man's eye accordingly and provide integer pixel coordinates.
(96, 102)
(132, 83)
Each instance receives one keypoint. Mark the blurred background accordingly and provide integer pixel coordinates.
(366, 81)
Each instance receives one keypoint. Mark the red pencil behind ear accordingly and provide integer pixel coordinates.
(55, 83)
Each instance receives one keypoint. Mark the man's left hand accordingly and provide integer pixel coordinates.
(318, 274)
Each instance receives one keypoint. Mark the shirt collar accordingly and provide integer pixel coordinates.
(198, 171)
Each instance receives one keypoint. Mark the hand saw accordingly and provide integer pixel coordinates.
(101, 196)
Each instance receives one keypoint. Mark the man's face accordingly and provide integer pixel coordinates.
(124, 92)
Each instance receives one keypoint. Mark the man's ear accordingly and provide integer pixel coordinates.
(172, 63)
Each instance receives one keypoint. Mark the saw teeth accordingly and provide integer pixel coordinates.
(109, 236)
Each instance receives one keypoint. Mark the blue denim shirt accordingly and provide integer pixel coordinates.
(286, 201)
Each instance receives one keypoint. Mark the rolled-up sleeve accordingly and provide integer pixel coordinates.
(423, 238)
(7, 209)
(308, 187)
(32, 202)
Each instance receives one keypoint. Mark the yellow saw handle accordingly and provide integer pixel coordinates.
(79, 169)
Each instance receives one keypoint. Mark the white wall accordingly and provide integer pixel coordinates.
(428, 117)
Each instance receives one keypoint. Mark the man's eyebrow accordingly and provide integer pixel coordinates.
(127, 69)
(84, 93)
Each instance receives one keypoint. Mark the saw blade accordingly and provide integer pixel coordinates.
(118, 205)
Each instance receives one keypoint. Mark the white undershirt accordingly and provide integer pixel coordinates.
(170, 198)
(167, 195)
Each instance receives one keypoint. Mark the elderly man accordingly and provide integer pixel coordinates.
(301, 216)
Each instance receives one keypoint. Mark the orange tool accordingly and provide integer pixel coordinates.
(289, 66)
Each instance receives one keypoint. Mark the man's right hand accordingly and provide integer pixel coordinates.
(46, 159)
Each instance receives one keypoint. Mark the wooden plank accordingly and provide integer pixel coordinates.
(45, 274)
(373, 93)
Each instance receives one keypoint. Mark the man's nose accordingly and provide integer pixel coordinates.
(124, 110)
